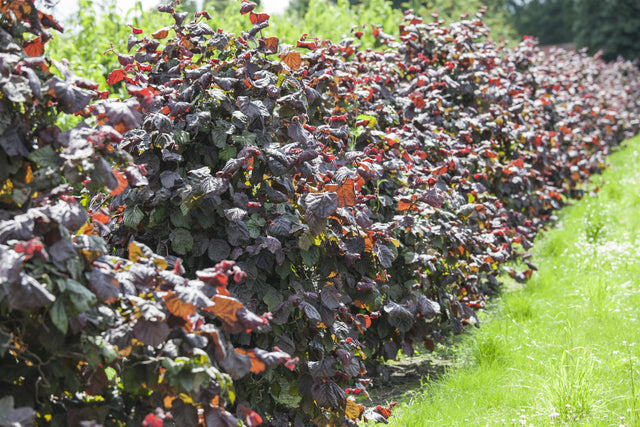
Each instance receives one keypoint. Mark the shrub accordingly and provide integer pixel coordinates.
(368, 195)
(363, 200)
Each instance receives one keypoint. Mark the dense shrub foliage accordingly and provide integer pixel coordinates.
(84, 335)
(362, 200)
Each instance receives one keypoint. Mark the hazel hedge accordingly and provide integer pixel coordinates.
(363, 201)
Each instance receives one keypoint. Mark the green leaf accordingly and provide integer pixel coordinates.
(44, 156)
(289, 394)
(21, 195)
(184, 209)
(59, 316)
(157, 216)
(132, 217)
(111, 373)
(181, 137)
(228, 152)
(108, 352)
(246, 138)
(181, 241)
(272, 298)
(305, 241)
(256, 225)
(81, 297)
(178, 219)
(186, 381)
(130, 380)
(219, 137)
(310, 258)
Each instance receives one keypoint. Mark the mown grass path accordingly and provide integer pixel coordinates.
(562, 350)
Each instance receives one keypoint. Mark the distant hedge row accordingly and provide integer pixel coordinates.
(242, 238)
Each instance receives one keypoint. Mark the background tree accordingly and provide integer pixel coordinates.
(612, 26)
(551, 21)
(497, 17)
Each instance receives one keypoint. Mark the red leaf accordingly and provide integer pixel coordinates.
(269, 44)
(115, 76)
(161, 33)
(99, 217)
(346, 194)
(135, 30)
(30, 248)
(419, 102)
(307, 45)
(177, 307)
(252, 418)
(152, 420)
(440, 171)
(122, 183)
(151, 333)
(406, 205)
(225, 308)
(258, 18)
(48, 21)
(104, 284)
(292, 59)
(34, 47)
(257, 365)
(291, 363)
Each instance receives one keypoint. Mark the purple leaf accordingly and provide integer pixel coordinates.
(151, 333)
(104, 284)
(322, 205)
(28, 293)
(328, 394)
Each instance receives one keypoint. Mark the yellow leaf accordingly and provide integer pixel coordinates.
(160, 262)
(353, 410)
(28, 177)
(125, 351)
(86, 229)
(135, 253)
(90, 256)
(185, 398)
(168, 401)
(7, 188)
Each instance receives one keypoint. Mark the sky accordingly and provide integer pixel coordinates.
(66, 8)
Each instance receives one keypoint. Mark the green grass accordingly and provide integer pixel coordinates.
(562, 350)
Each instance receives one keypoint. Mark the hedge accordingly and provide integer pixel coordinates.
(259, 223)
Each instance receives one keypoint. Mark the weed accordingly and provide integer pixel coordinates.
(570, 390)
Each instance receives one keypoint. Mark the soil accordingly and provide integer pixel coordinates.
(404, 379)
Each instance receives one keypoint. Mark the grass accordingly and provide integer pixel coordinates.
(562, 350)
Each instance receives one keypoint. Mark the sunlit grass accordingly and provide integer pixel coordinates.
(563, 350)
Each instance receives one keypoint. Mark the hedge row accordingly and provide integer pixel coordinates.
(358, 201)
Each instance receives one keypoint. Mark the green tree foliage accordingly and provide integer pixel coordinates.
(551, 21)
(612, 26)
(497, 17)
